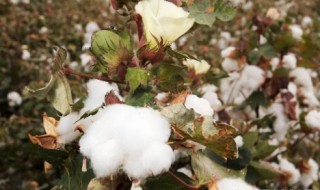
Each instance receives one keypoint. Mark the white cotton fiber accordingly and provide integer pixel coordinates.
(199, 105)
(140, 134)
(106, 158)
(288, 167)
(311, 175)
(92, 27)
(280, 124)
(296, 31)
(234, 184)
(157, 161)
(227, 52)
(230, 65)
(313, 119)
(66, 128)
(239, 141)
(14, 99)
(289, 61)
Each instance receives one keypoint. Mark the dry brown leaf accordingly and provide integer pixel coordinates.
(49, 125)
(45, 141)
(213, 185)
(111, 98)
(47, 167)
(180, 98)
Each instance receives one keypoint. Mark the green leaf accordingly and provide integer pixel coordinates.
(136, 77)
(257, 98)
(53, 156)
(111, 48)
(224, 11)
(60, 95)
(91, 112)
(166, 73)
(267, 51)
(39, 93)
(250, 138)
(141, 97)
(218, 137)
(205, 12)
(262, 150)
(57, 91)
(265, 170)
(207, 170)
(165, 181)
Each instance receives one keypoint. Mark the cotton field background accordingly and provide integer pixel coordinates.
(160, 95)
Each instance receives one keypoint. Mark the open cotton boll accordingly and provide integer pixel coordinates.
(288, 167)
(213, 99)
(274, 62)
(280, 124)
(302, 78)
(158, 158)
(234, 183)
(289, 61)
(208, 88)
(230, 65)
(26, 55)
(92, 27)
(237, 2)
(296, 31)
(313, 119)
(199, 105)
(306, 21)
(134, 130)
(135, 187)
(106, 158)
(252, 77)
(227, 52)
(66, 128)
(161, 96)
(262, 40)
(311, 175)
(14, 99)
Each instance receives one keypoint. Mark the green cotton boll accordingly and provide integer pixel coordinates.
(111, 48)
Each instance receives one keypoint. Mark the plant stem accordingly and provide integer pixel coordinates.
(87, 75)
(181, 181)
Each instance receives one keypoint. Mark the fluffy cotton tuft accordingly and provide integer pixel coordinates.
(26, 55)
(227, 52)
(306, 21)
(288, 167)
(66, 128)
(138, 137)
(313, 119)
(289, 61)
(311, 175)
(234, 183)
(296, 31)
(14, 99)
(281, 122)
(199, 105)
(230, 65)
(239, 141)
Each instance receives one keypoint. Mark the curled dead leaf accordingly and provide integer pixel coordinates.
(49, 125)
(180, 98)
(112, 98)
(45, 141)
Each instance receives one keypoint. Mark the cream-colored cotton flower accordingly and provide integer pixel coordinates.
(163, 19)
(200, 67)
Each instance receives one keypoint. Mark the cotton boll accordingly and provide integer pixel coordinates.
(14, 99)
(200, 67)
(274, 62)
(234, 183)
(85, 59)
(161, 96)
(301, 77)
(292, 88)
(311, 175)
(310, 99)
(106, 158)
(208, 88)
(227, 52)
(247, 6)
(135, 187)
(213, 99)
(313, 119)
(306, 21)
(199, 105)
(252, 77)
(237, 2)
(262, 40)
(296, 31)
(288, 167)
(66, 128)
(158, 158)
(230, 65)
(289, 61)
(92, 27)
(239, 141)
(26, 55)
(281, 122)
(273, 14)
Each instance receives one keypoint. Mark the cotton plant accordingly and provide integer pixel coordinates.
(154, 114)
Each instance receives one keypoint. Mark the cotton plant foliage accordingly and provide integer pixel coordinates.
(181, 105)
